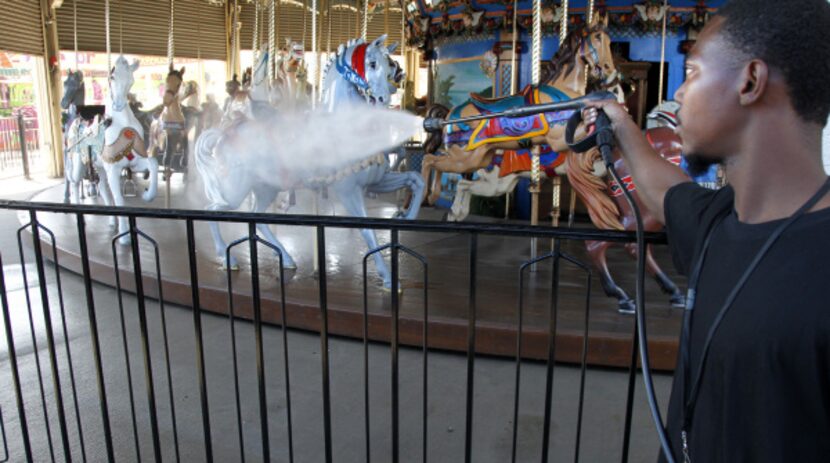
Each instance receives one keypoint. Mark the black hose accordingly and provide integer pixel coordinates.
(605, 142)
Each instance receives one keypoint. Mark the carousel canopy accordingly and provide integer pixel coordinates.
(143, 26)
(20, 27)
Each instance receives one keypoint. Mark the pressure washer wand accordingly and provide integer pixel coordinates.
(435, 124)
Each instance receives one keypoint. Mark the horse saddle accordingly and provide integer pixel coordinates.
(127, 145)
(496, 105)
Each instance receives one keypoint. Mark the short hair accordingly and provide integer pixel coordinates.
(792, 36)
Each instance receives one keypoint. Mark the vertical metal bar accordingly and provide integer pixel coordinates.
(93, 332)
(24, 157)
(50, 336)
(554, 301)
(145, 341)
(425, 366)
(125, 345)
(232, 319)
(35, 348)
(21, 407)
(5, 442)
(517, 386)
(200, 350)
(324, 338)
(165, 345)
(629, 401)
(284, 320)
(66, 341)
(395, 353)
(260, 368)
(583, 367)
(471, 346)
(366, 416)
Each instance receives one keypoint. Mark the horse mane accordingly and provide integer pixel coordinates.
(564, 60)
(435, 139)
(592, 189)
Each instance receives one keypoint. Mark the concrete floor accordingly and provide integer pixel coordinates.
(494, 388)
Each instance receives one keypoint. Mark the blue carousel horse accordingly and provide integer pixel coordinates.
(348, 81)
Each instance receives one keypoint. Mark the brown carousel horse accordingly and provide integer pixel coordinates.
(168, 133)
(609, 210)
(586, 52)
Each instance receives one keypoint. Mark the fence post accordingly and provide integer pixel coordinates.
(24, 157)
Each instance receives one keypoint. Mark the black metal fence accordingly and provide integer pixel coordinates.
(58, 389)
(20, 151)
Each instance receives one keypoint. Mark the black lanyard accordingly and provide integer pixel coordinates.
(690, 395)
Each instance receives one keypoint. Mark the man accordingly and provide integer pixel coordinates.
(753, 377)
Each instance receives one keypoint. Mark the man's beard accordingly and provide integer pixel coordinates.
(698, 164)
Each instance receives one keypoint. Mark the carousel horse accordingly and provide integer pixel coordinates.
(507, 142)
(124, 140)
(227, 181)
(609, 210)
(73, 98)
(85, 142)
(168, 133)
(292, 75)
(362, 73)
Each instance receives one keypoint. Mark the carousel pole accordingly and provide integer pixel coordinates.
(170, 52)
(535, 172)
(272, 40)
(514, 75)
(314, 46)
(364, 25)
(572, 196)
(662, 53)
(255, 31)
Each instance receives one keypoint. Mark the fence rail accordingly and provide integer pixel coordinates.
(20, 150)
(147, 328)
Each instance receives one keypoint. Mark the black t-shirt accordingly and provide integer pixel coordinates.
(765, 391)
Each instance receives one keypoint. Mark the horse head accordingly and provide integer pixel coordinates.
(172, 84)
(366, 67)
(121, 81)
(595, 51)
(258, 84)
(73, 89)
(585, 49)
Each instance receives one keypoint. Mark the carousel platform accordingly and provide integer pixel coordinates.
(499, 259)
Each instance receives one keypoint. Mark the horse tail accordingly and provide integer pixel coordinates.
(435, 139)
(593, 190)
(206, 164)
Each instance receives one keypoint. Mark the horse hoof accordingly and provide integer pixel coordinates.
(124, 240)
(678, 300)
(289, 265)
(627, 307)
(233, 268)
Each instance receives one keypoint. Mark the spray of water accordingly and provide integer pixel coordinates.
(288, 149)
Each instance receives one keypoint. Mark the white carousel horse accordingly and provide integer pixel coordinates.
(292, 75)
(124, 142)
(220, 154)
(85, 142)
(358, 74)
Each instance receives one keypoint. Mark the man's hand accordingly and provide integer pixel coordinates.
(653, 175)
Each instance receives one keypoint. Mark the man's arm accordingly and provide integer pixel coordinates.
(653, 175)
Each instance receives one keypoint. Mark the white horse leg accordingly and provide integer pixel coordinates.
(114, 179)
(263, 197)
(351, 196)
(152, 165)
(219, 244)
(393, 181)
(104, 189)
(460, 208)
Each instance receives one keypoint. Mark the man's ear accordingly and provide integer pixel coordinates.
(754, 80)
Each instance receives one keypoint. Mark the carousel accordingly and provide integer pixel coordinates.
(323, 115)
